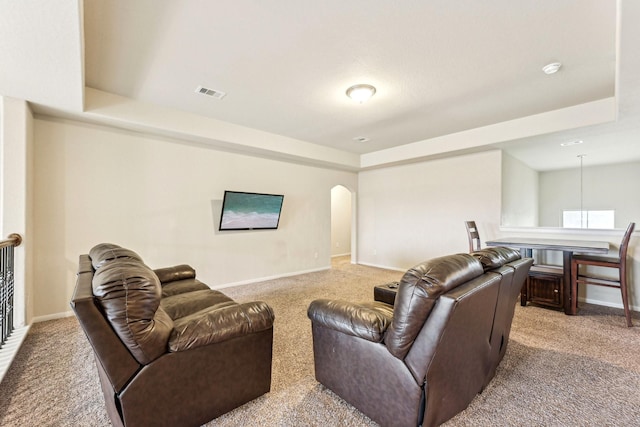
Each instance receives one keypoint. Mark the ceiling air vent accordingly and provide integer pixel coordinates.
(218, 94)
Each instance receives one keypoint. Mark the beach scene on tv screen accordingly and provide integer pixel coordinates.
(242, 211)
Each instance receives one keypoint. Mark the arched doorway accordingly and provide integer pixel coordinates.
(342, 223)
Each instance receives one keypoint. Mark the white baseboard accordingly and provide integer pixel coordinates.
(64, 314)
(607, 303)
(10, 348)
(264, 279)
(337, 255)
(385, 267)
(53, 316)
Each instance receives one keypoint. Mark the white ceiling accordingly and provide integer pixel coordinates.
(441, 68)
(41, 52)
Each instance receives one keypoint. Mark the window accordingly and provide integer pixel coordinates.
(590, 219)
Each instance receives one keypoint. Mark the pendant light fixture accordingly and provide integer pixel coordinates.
(582, 215)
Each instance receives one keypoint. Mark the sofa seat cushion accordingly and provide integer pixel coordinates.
(182, 286)
(220, 323)
(129, 293)
(185, 304)
(364, 320)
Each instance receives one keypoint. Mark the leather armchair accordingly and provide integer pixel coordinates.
(169, 350)
(424, 359)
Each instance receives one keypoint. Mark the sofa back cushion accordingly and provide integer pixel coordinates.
(107, 252)
(495, 257)
(129, 293)
(175, 273)
(418, 291)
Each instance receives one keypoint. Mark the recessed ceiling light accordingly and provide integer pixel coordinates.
(361, 139)
(567, 144)
(552, 68)
(361, 93)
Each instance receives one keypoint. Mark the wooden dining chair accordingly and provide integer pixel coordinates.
(619, 263)
(474, 236)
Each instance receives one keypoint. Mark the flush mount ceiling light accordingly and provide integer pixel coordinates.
(552, 68)
(361, 93)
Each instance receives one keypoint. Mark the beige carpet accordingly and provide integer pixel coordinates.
(558, 371)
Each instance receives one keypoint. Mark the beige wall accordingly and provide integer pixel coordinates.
(161, 198)
(604, 187)
(519, 193)
(408, 214)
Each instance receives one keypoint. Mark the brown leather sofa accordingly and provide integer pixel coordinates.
(423, 359)
(169, 350)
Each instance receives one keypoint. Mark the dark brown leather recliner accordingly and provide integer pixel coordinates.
(423, 360)
(169, 350)
(514, 271)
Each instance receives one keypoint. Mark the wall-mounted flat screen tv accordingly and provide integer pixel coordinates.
(250, 211)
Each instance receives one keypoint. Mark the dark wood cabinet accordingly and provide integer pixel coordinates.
(544, 286)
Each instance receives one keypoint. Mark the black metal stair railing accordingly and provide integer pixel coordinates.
(7, 285)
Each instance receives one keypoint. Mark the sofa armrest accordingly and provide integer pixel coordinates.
(220, 324)
(177, 272)
(365, 320)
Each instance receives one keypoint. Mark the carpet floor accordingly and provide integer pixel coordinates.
(558, 370)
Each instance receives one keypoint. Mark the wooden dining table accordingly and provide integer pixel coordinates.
(567, 247)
